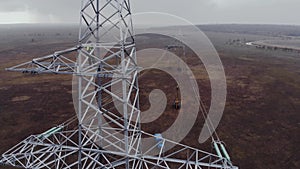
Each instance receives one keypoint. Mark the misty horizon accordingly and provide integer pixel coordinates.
(199, 12)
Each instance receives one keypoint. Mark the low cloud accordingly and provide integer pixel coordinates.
(12, 6)
(196, 11)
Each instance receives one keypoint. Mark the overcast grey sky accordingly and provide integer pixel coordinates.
(196, 11)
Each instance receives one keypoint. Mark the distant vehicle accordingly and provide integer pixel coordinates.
(177, 101)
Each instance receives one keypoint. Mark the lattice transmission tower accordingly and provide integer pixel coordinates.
(107, 131)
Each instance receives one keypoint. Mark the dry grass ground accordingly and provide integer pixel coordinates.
(260, 125)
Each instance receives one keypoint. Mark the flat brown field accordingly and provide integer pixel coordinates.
(260, 125)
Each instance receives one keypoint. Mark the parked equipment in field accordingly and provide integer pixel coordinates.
(177, 101)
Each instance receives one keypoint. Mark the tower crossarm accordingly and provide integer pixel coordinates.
(61, 62)
(53, 148)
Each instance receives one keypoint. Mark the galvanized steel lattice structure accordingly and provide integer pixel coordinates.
(108, 132)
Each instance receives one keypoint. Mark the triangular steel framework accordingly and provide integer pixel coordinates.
(101, 137)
